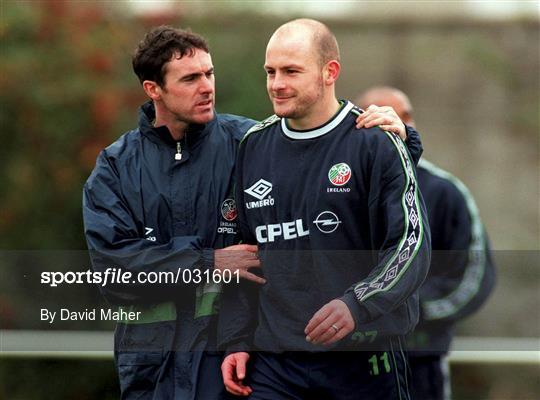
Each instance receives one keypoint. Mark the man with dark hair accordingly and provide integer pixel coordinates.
(160, 200)
(159, 46)
(344, 244)
(462, 273)
(152, 204)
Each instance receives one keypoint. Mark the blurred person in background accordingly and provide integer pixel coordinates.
(462, 273)
(344, 244)
(159, 199)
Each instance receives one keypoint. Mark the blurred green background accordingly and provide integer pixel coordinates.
(67, 91)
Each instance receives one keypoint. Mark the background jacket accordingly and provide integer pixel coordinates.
(462, 272)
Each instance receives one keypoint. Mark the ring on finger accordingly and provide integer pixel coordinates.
(335, 327)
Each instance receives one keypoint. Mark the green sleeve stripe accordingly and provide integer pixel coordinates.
(206, 304)
(475, 269)
(411, 239)
(406, 228)
(149, 314)
(208, 298)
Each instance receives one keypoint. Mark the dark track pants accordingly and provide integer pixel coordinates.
(375, 375)
(172, 376)
(430, 378)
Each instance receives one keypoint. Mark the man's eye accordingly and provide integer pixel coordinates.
(292, 71)
(270, 72)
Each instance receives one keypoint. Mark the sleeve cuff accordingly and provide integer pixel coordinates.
(207, 259)
(237, 348)
(409, 131)
(414, 144)
(358, 311)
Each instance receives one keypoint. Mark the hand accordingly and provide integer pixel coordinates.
(385, 117)
(331, 323)
(233, 370)
(239, 258)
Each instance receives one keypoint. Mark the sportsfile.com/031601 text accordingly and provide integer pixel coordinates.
(119, 276)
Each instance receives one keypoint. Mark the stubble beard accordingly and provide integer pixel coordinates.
(304, 104)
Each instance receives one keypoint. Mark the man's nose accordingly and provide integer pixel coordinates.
(278, 83)
(207, 85)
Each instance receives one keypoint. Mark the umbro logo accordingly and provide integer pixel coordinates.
(261, 191)
(147, 232)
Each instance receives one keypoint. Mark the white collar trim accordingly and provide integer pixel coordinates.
(320, 131)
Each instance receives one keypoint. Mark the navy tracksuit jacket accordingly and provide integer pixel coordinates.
(147, 210)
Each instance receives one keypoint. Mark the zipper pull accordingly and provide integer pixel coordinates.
(178, 155)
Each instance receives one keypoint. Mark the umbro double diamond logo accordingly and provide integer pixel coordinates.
(261, 191)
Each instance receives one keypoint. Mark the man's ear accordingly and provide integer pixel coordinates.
(331, 72)
(152, 90)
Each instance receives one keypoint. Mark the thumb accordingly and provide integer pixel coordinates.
(240, 368)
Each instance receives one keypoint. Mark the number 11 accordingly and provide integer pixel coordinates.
(375, 363)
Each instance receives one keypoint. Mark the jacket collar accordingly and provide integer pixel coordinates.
(147, 116)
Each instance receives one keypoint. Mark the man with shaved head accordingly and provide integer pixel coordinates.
(342, 237)
(462, 273)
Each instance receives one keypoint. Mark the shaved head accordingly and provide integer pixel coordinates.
(302, 68)
(324, 42)
(388, 96)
